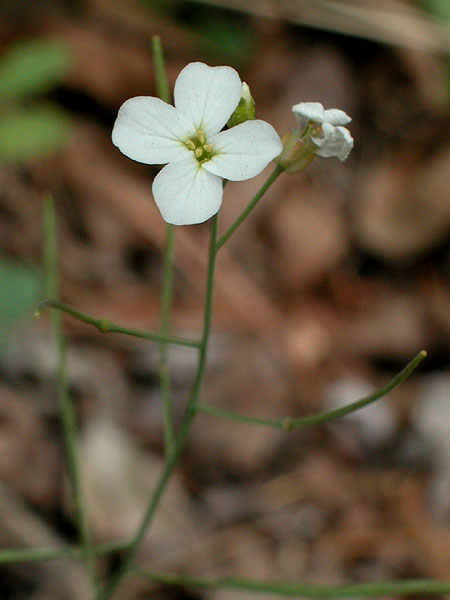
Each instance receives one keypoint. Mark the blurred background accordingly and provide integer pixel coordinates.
(339, 278)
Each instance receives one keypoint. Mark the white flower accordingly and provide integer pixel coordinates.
(189, 189)
(329, 135)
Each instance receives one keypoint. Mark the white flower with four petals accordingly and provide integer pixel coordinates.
(333, 139)
(188, 137)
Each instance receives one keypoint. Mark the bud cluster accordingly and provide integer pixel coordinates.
(320, 133)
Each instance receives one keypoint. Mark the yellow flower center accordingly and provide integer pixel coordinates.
(202, 151)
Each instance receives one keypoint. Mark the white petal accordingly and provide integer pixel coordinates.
(308, 111)
(207, 96)
(243, 151)
(150, 131)
(336, 141)
(185, 193)
(336, 117)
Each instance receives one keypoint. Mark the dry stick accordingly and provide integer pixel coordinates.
(67, 410)
(289, 423)
(180, 442)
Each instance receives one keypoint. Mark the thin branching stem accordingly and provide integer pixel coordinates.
(67, 410)
(285, 588)
(289, 423)
(105, 325)
(304, 590)
(183, 433)
(26, 555)
(250, 206)
(175, 441)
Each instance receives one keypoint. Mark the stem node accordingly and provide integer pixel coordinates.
(104, 325)
(287, 424)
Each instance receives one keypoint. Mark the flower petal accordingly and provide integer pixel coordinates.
(185, 193)
(207, 96)
(150, 131)
(335, 141)
(308, 111)
(336, 116)
(243, 151)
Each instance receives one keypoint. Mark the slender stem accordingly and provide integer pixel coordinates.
(20, 555)
(105, 326)
(50, 252)
(67, 410)
(304, 590)
(162, 86)
(166, 305)
(285, 588)
(250, 206)
(184, 429)
(163, 91)
(289, 423)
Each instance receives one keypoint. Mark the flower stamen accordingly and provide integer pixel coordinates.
(202, 151)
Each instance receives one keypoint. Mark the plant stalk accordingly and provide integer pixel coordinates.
(184, 429)
(67, 410)
(290, 423)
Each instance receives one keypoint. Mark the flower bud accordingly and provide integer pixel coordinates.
(320, 133)
(298, 151)
(245, 110)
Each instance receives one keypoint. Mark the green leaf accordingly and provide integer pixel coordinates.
(439, 8)
(32, 132)
(20, 291)
(228, 40)
(32, 67)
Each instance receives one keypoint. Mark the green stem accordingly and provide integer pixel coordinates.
(289, 423)
(383, 588)
(184, 429)
(67, 410)
(166, 305)
(163, 91)
(304, 590)
(162, 86)
(250, 206)
(20, 555)
(105, 326)
(50, 252)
